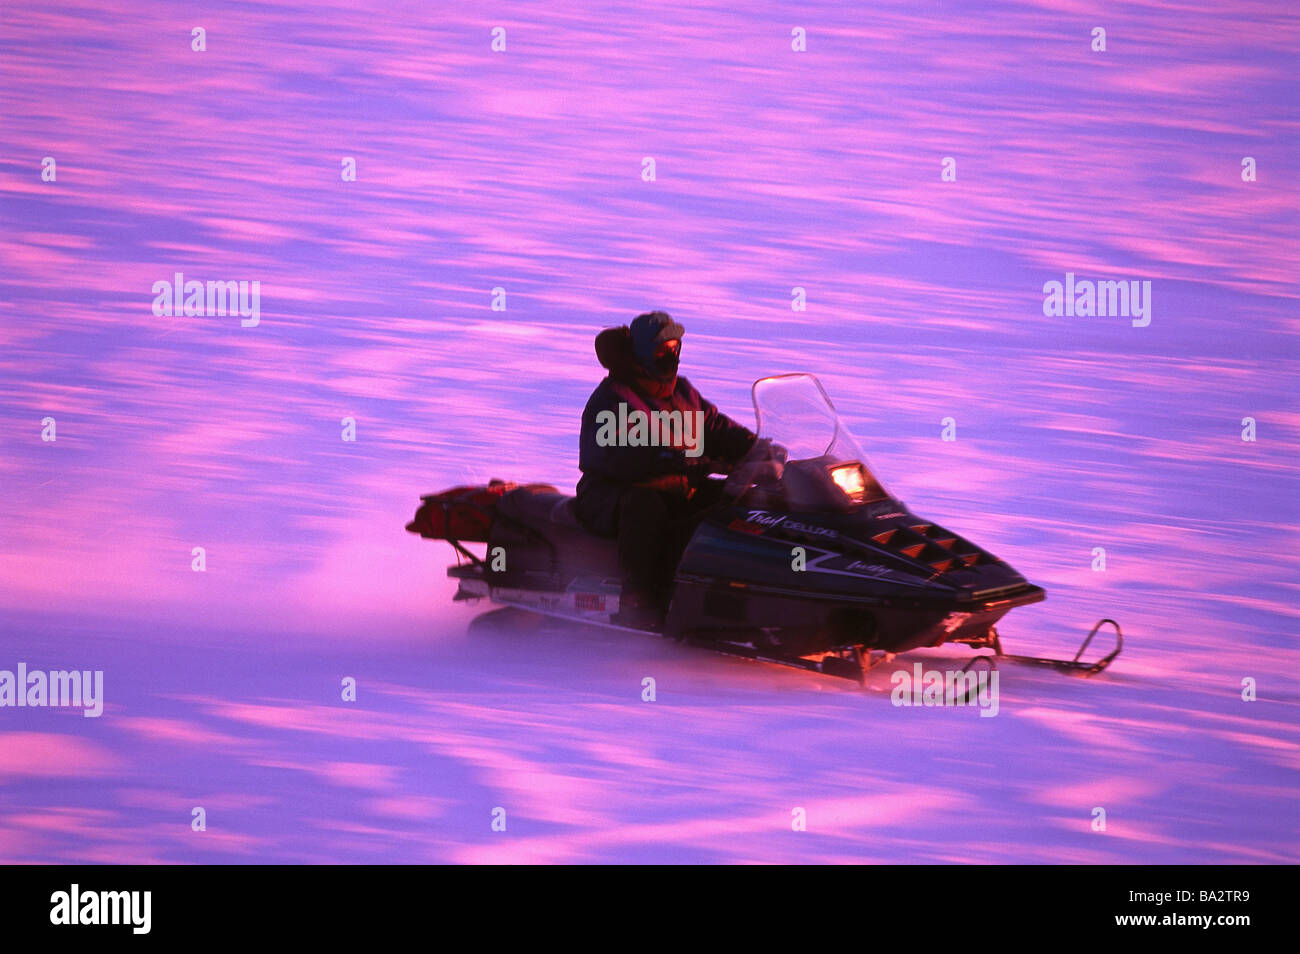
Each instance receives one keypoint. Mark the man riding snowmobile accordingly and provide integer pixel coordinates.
(877, 579)
(646, 488)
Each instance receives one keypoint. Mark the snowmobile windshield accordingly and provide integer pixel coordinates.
(794, 411)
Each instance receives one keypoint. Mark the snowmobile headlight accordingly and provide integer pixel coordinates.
(851, 479)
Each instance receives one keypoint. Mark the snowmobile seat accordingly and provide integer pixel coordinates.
(543, 508)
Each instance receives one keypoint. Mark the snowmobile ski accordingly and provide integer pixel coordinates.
(1073, 667)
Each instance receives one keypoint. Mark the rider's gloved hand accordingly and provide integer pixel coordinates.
(677, 485)
(764, 448)
(767, 471)
(737, 481)
(763, 464)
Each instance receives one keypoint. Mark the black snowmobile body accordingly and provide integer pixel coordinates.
(809, 563)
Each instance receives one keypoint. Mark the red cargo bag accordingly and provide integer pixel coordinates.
(462, 513)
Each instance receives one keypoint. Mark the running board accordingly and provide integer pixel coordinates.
(855, 665)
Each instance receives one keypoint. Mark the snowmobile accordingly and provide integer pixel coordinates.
(807, 561)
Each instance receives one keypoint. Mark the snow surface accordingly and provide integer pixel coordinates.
(497, 708)
(776, 170)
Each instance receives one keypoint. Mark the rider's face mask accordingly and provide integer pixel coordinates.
(667, 356)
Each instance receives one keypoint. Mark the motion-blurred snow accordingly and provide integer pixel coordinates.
(522, 170)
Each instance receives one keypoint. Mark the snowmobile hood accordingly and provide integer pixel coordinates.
(881, 549)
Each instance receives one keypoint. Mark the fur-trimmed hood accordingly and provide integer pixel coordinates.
(617, 354)
(614, 351)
